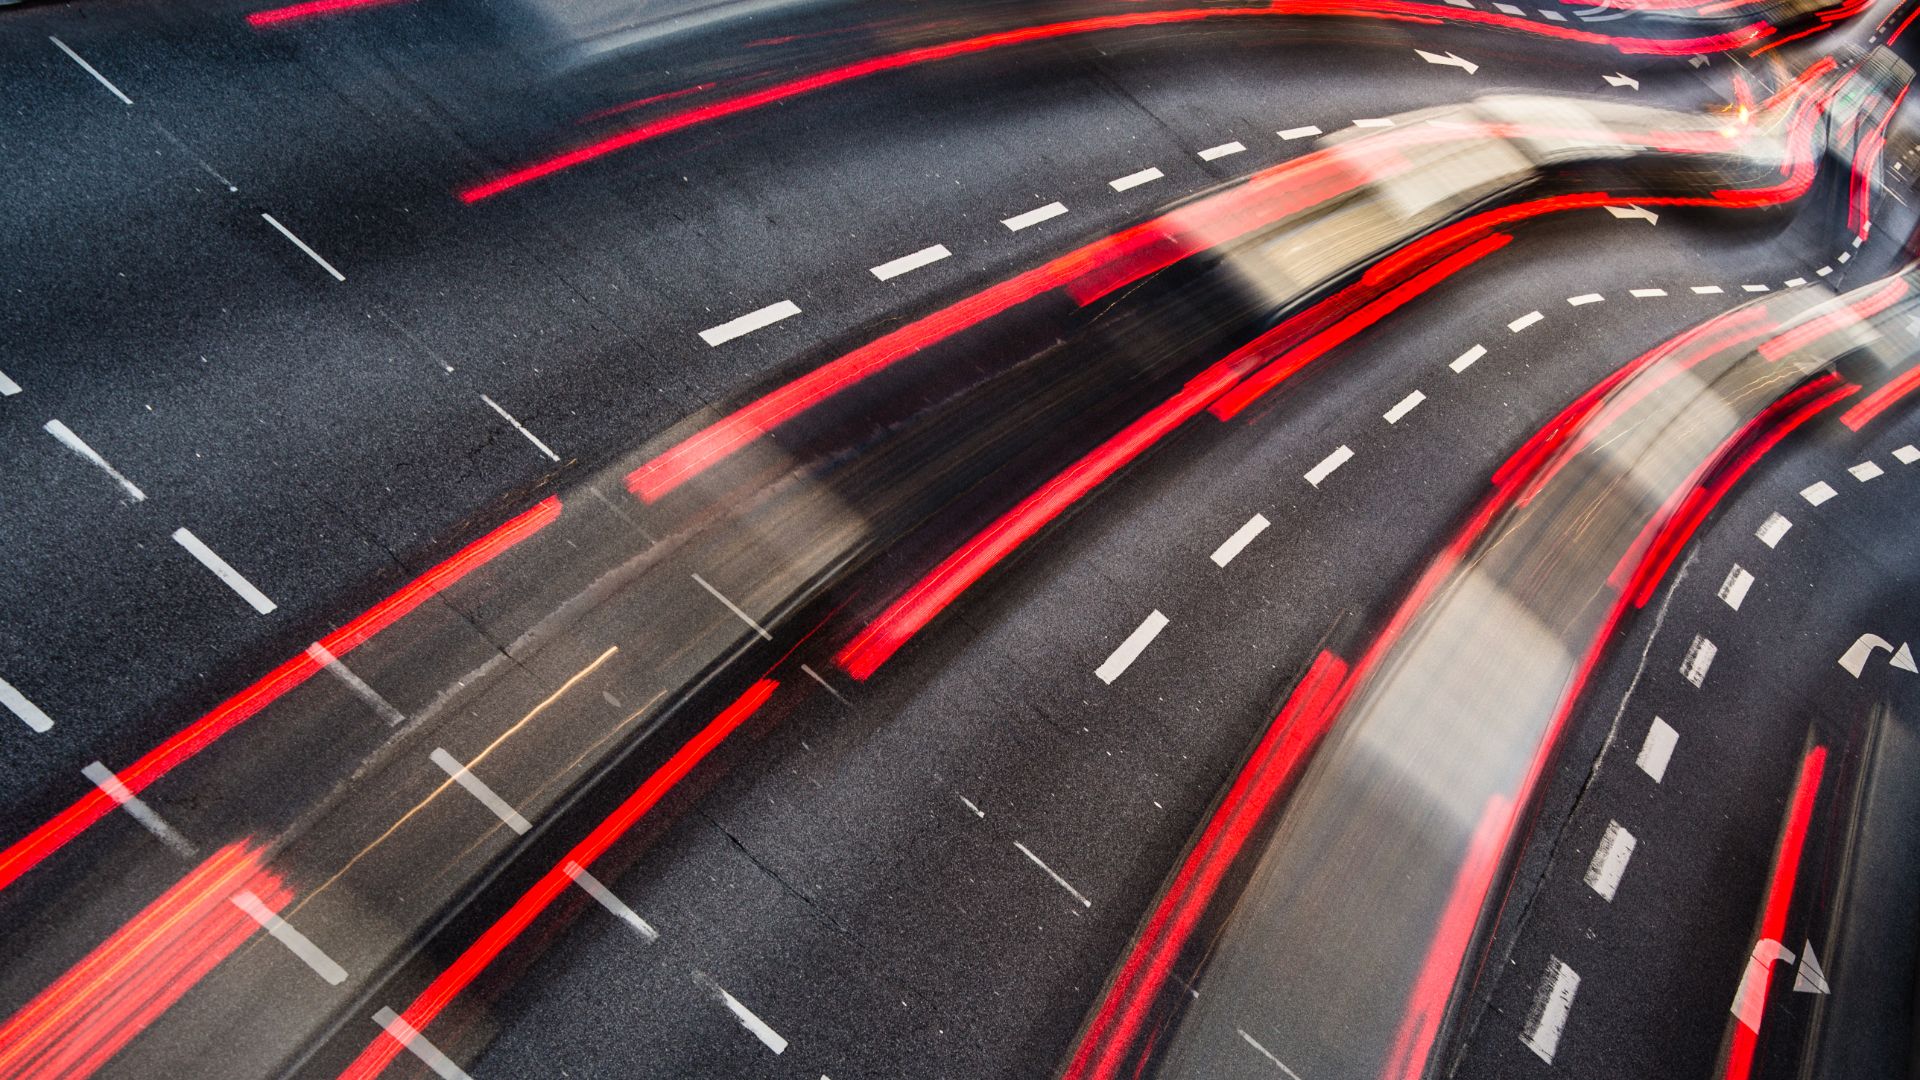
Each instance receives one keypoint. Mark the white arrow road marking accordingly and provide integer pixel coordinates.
(1618, 79)
(1902, 658)
(1448, 60)
(1751, 999)
(1810, 979)
(1856, 657)
(1551, 1004)
(1657, 750)
(1631, 212)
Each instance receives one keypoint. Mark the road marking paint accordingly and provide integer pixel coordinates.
(1525, 321)
(746, 324)
(1754, 288)
(1858, 240)
(1134, 180)
(404, 1034)
(1304, 132)
(977, 812)
(29, 713)
(1750, 1000)
(1402, 407)
(1634, 211)
(1657, 750)
(1448, 59)
(611, 902)
(1708, 290)
(1824, 271)
(760, 1028)
(1808, 978)
(104, 779)
(1866, 471)
(906, 264)
(1551, 1004)
(296, 942)
(1378, 121)
(1795, 282)
(1058, 880)
(1644, 293)
(1585, 298)
(227, 574)
(1130, 649)
(1034, 217)
(1465, 360)
(325, 658)
(1844, 256)
(1266, 1053)
(521, 428)
(302, 245)
(1772, 529)
(79, 446)
(1327, 465)
(1734, 589)
(8, 387)
(478, 789)
(815, 676)
(91, 70)
(1610, 860)
(735, 608)
(1907, 455)
(1214, 153)
(1461, 3)
(1510, 9)
(1817, 492)
(1235, 544)
(1699, 658)
(1552, 16)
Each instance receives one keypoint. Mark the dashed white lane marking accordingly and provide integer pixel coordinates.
(1402, 407)
(1824, 271)
(907, 264)
(1865, 471)
(1552, 16)
(1551, 1005)
(1734, 589)
(104, 779)
(815, 676)
(1034, 217)
(79, 446)
(1377, 121)
(1645, 293)
(735, 608)
(1817, 492)
(1772, 529)
(977, 812)
(29, 713)
(760, 1028)
(91, 70)
(405, 1034)
(1795, 282)
(1123, 657)
(1632, 212)
(1657, 749)
(1699, 658)
(521, 428)
(746, 324)
(1465, 360)
(1525, 321)
(8, 387)
(296, 942)
(1058, 880)
(1907, 455)
(1858, 240)
(1215, 153)
(1461, 3)
(1844, 256)
(1134, 180)
(1708, 290)
(1755, 288)
(1235, 544)
(1327, 465)
(611, 902)
(1585, 298)
(227, 574)
(1610, 860)
(1266, 1053)
(1510, 9)
(478, 788)
(302, 245)
(1306, 131)
(384, 708)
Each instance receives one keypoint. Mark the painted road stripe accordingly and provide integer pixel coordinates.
(1525, 321)
(1610, 860)
(1754, 288)
(748, 323)
(1058, 880)
(1404, 406)
(1645, 293)
(977, 812)
(521, 428)
(104, 779)
(1708, 290)
(1551, 1004)
(906, 264)
(1134, 180)
(1034, 217)
(1305, 132)
(79, 446)
(1772, 529)
(1866, 471)
(91, 70)
(296, 942)
(1795, 282)
(824, 684)
(324, 657)
(1817, 492)
(1235, 544)
(760, 1028)
(1465, 360)
(1380, 121)
(1585, 298)
(735, 608)
(1510, 9)
(1907, 455)
(1130, 649)
(302, 245)
(478, 789)
(1657, 749)
(8, 387)
(1844, 256)
(1824, 271)
(611, 902)
(1215, 153)
(1266, 1053)
(1327, 465)
(1699, 658)
(404, 1034)
(254, 597)
(1734, 589)
(29, 713)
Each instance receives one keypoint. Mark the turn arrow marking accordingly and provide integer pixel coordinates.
(1630, 211)
(1448, 60)
(1617, 79)
(1810, 979)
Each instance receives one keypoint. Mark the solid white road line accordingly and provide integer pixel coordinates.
(296, 942)
(1465, 360)
(760, 1028)
(1551, 1004)
(1866, 471)
(1382, 121)
(1235, 544)
(104, 779)
(1134, 180)
(1305, 132)
(1708, 290)
(611, 902)
(1034, 217)
(8, 387)
(325, 658)
(977, 812)
(89, 68)
(1610, 860)
(1907, 455)
(905, 264)
(1699, 658)
(735, 608)
(1734, 589)
(29, 713)
(1266, 1053)
(746, 324)
(302, 245)
(1817, 492)
(79, 446)
(1772, 529)
(1645, 293)
(1327, 465)
(478, 788)
(227, 574)
(521, 428)
(1525, 321)
(1058, 880)
(1585, 298)
(815, 676)
(1510, 9)
(1215, 153)
(1402, 407)
(406, 1036)
(1657, 750)
(1123, 657)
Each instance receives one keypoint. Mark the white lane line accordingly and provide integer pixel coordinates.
(1772, 529)
(1699, 658)
(1551, 16)
(1551, 1004)
(827, 686)
(1866, 471)
(381, 706)
(79, 446)
(1510, 9)
(735, 608)
(1734, 589)
(1465, 360)
(1380, 121)
(906, 264)
(1525, 321)
(977, 812)
(1824, 271)
(1645, 293)
(1754, 288)
(1134, 180)
(8, 387)
(1034, 217)
(1327, 465)
(226, 573)
(29, 713)
(89, 68)
(1858, 240)
(1123, 657)
(1235, 544)
(302, 245)
(760, 1028)
(611, 902)
(1404, 406)
(1907, 455)
(1610, 860)
(1844, 256)
(405, 1034)
(1058, 880)
(746, 324)
(104, 779)
(521, 428)
(1585, 298)
(1795, 282)
(296, 942)
(1657, 750)
(1215, 153)
(1461, 3)
(1266, 1053)
(1817, 492)
(478, 788)
(1304, 132)
(1708, 290)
